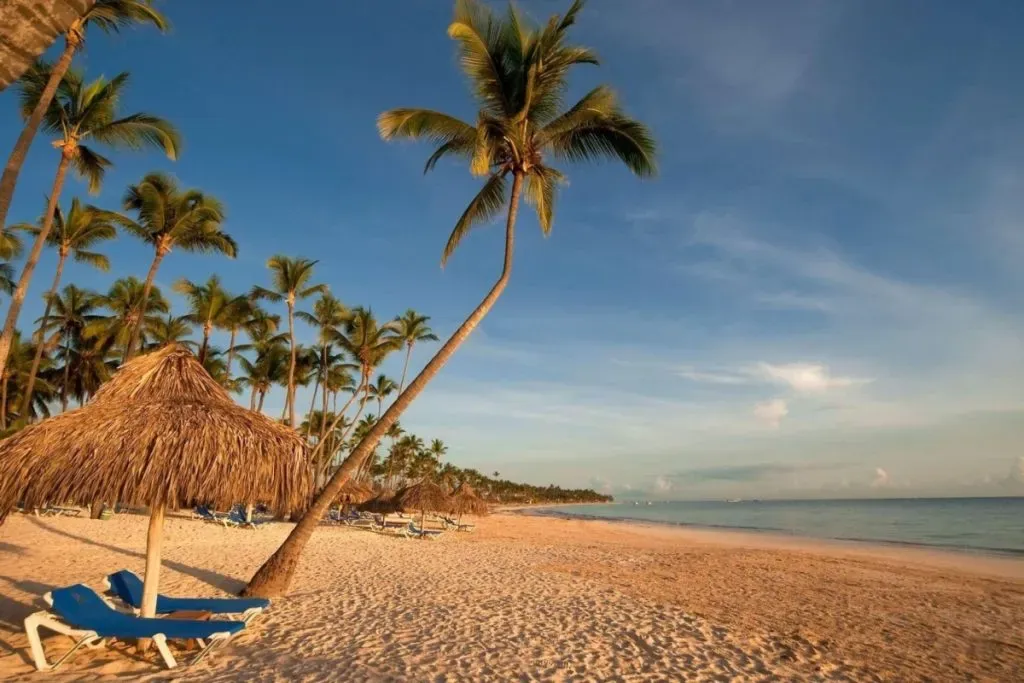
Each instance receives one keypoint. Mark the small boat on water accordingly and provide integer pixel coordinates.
(734, 500)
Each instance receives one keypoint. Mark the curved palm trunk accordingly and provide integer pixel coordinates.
(323, 412)
(17, 159)
(38, 357)
(405, 367)
(290, 398)
(133, 341)
(275, 576)
(259, 408)
(18, 298)
(252, 399)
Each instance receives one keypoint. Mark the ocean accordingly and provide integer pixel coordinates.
(986, 525)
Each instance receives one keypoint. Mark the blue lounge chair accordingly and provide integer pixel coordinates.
(78, 612)
(423, 533)
(237, 518)
(128, 588)
(207, 515)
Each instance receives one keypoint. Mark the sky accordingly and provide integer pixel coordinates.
(820, 295)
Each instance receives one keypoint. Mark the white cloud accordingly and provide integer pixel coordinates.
(713, 377)
(807, 377)
(771, 412)
(881, 479)
(662, 484)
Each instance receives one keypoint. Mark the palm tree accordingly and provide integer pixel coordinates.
(106, 15)
(91, 362)
(169, 330)
(81, 111)
(10, 248)
(211, 307)
(74, 309)
(438, 449)
(291, 278)
(412, 328)
(242, 313)
(328, 315)
(73, 234)
(269, 368)
(13, 383)
(125, 301)
(368, 343)
(170, 217)
(518, 75)
(384, 387)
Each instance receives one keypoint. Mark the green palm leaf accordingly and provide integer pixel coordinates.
(484, 206)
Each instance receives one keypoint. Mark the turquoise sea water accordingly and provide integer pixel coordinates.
(990, 525)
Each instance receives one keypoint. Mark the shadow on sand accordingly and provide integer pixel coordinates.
(219, 581)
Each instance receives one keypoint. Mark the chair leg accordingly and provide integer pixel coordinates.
(88, 640)
(34, 622)
(160, 640)
(212, 643)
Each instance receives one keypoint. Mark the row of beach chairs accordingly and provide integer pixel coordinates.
(90, 619)
(235, 519)
(397, 525)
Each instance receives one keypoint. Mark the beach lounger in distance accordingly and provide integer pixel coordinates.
(128, 588)
(77, 611)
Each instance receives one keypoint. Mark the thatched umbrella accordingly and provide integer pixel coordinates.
(424, 495)
(382, 503)
(161, 433)
(354, 492)
(465, 501)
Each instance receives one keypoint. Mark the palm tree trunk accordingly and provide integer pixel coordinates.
(18, 298)
(231, 351)
(67, 376)
(133, 341)
(14, 162)
(275, 576)
(290, 400)
(259, 408)
(3, 402)
(323, 413)
(37, 358)
(252, 398)
(206, 342)
(405, 367)
(312, 402)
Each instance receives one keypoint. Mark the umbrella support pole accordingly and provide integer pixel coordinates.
(150, 586)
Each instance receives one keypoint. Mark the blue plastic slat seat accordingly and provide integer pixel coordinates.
(128, 587)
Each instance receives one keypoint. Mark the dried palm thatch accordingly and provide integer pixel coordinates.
(161, 432)
(465, 501)
(354, 492)
(423, 496)
(382, 503)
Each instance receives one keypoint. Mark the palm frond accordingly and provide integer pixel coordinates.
(141, 130)
(112, 15)
(609, 137)
(483, 207)
(482, 52)
(541, 186)
(97, 261)
(91, 166)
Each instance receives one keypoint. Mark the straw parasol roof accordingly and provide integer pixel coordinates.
(160, 432)
(354, 492)
(421, 496)
(465, 501)
(382, 503)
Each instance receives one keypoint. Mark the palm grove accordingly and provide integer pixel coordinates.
(517, 75)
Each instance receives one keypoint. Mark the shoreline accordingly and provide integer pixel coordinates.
(984, 563)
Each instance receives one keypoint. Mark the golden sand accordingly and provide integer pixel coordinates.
(525, 598)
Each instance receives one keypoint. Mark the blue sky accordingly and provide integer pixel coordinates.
(820, 295)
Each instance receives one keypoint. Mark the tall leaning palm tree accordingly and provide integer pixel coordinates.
(291, 277)
(518, 76)
(79, 113)
(412, 328)
(73, 234)
(169, 218)
(109, 16)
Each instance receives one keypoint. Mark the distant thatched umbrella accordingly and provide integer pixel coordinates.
(161, 433)
(354, 492)
(423, 496)
(382, 503)
(465, 501)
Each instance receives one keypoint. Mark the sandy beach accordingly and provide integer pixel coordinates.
(527, 598)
